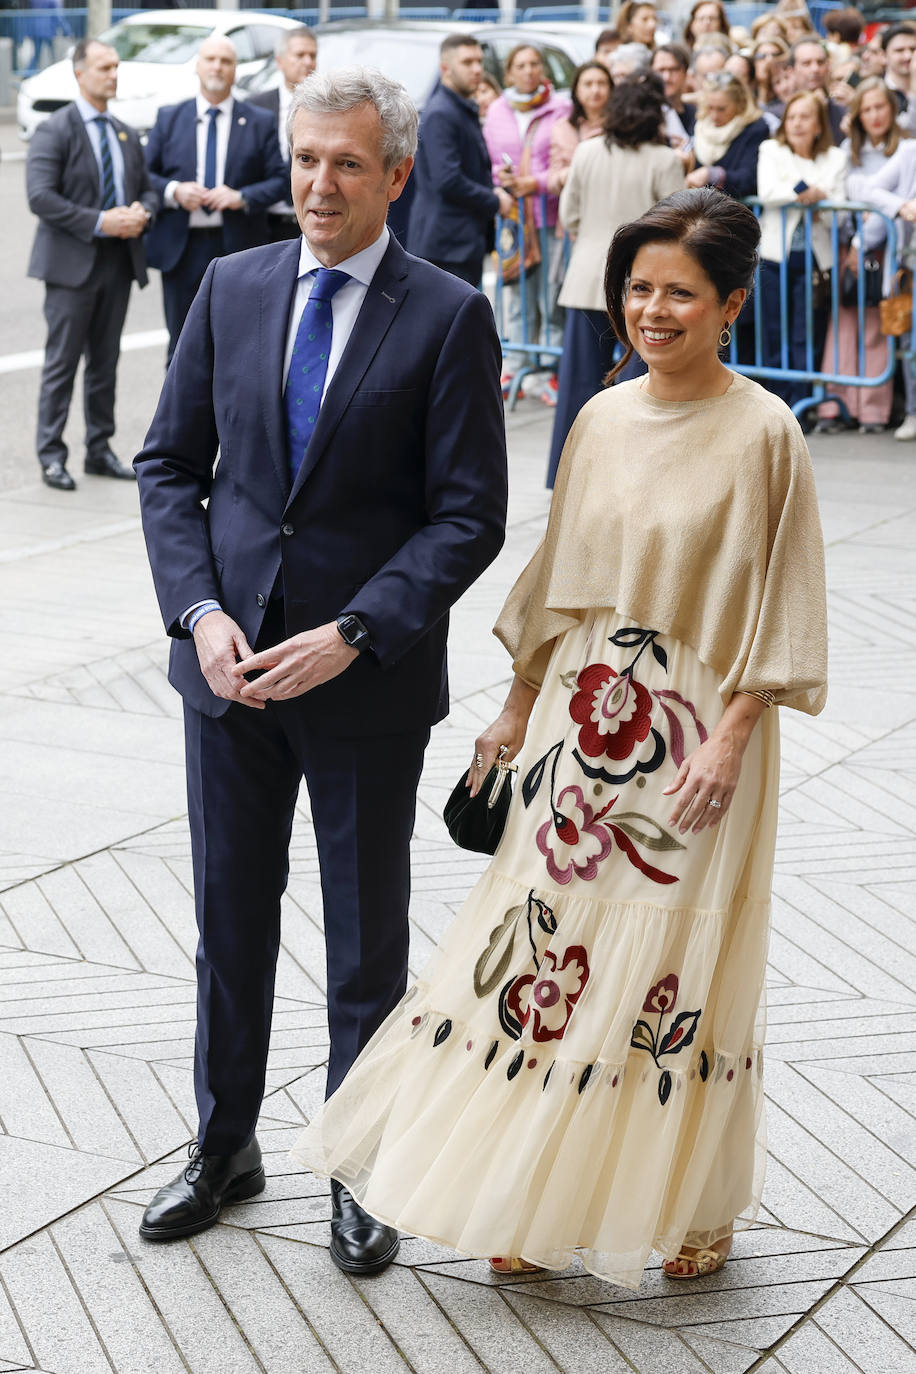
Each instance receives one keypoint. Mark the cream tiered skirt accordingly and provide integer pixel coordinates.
(579, 1069)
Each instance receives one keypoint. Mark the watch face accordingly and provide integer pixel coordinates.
(353, 631)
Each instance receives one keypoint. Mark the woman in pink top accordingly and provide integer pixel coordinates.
(517, 131)
(591, 91)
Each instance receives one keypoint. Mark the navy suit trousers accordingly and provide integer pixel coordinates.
(180, 286)
(244, 770)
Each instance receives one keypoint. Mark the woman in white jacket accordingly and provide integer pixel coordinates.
(798, 167)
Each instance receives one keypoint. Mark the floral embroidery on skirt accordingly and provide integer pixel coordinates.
(579, 1068)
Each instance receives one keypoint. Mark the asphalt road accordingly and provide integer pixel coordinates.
(22, 331)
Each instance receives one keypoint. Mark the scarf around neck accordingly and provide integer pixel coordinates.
(523, 103)
(712, 142)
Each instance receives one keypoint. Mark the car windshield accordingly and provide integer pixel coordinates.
(408, 57)
(155, 42)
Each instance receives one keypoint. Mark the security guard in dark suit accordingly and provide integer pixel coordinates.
(88, 184)
(297, 57)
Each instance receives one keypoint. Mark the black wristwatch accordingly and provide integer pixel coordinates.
(353, 632)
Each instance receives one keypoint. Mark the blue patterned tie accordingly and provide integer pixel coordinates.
(109, 196)
(210, 153)
(308, 366)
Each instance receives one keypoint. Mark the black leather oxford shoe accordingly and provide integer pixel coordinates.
(359, 1243)
(56, 475)
(106, 464)
(193, 1201)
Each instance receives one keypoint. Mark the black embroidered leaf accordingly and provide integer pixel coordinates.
(491, 1054)
(546, 919)
(442, 1033)
(629, 638)
(661, 658)
(659, 841)
(547, 1076)
(680, 1033)
(704, 1066)
(664, 1087)
(516, 1064)
(586, 1075)
(642, 1038)
(507, 1017)
(532, 782)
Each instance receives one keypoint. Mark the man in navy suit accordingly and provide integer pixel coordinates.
(88, 185)
(454, 204)
(353, 395)
(216, 164)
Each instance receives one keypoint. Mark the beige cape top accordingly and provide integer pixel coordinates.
(697, 519)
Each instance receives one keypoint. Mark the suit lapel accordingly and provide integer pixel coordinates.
(237, 133)
(384, 297)
(85, 150)
(276, 300)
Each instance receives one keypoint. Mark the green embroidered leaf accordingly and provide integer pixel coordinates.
(661, 840)
(642, 1038)
(487, 974)
(570, 679)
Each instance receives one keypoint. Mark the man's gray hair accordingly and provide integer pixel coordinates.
(337, 92)
(287, 36)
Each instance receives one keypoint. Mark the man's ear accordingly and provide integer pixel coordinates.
(399, 177)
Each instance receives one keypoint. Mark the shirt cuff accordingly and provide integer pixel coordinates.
(189, 619)
(97, 231)
(168, 196)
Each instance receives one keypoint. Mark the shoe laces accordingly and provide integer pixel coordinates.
(195, 1168)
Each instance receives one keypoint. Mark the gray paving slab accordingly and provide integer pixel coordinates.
(864, 1336)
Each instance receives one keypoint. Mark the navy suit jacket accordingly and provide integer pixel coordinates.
(65, 192)
(397, 508)
(739, 161)
(254, 167)
(454, 204)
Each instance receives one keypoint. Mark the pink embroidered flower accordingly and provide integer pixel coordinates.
(663, 996)
(615, 713)
(572, 841)
(548, 999)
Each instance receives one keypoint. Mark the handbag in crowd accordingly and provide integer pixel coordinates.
(518, 235)
(477, 823)
(872, 268)
(896, 310)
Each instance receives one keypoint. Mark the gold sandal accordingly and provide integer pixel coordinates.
(514, 1265)
(694, 1266)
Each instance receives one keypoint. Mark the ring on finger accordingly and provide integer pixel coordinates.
(716, 804)
(478, 760)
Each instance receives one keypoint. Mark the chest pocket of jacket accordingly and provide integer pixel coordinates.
(397, 397)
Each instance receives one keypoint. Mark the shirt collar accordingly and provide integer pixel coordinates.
(204, 105)
(88, 112)
(362, 266)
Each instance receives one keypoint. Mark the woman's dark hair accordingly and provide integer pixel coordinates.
(719, 232)
(577, 115)
(635, 111)
(690, 37)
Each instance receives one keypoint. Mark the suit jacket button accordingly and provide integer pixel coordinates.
(262, 600)
(287, 529)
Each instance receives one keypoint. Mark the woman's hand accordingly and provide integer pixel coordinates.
(518, 186)
(698, 178)
(507, 732)
(811, 196)
(710, 774)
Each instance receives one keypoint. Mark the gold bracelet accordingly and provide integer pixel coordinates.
(763, 695)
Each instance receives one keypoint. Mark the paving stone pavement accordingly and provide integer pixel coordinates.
(97, 1001)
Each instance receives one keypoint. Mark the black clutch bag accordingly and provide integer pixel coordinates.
(477, 823)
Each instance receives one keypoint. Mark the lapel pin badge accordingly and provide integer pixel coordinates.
(122, 136)
(389, 298)
(243, 120)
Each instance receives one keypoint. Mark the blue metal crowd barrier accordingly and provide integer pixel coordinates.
(514, 303)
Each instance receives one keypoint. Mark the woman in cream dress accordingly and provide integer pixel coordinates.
(579, 1070)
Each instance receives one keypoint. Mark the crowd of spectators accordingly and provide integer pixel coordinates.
(774, 111)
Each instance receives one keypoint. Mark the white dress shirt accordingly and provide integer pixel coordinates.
(283, 207)
(346, 303)
(199, 219)
(89, 114)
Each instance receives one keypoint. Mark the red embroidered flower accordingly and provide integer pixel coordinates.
(615, 713)
(663, 996)
(572, 841)
(548, 999)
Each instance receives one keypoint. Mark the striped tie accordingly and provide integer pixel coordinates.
(109, 197)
